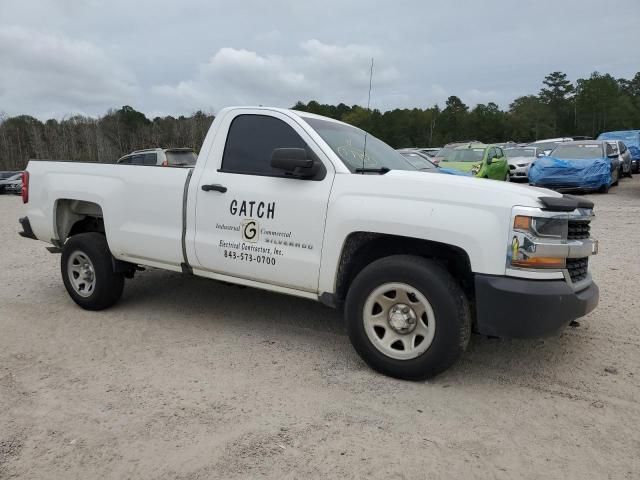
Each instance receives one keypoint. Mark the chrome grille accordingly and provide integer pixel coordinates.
(579, 229)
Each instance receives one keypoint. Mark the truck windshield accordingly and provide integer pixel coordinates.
(181, 158)
(418, 161)
(348, 143)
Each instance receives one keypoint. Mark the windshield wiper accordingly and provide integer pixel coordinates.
(381, 170)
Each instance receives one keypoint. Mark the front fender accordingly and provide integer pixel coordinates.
(480, 230)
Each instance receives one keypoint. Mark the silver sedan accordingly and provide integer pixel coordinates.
(520, 159)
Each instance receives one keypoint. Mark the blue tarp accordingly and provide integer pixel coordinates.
(578, 173)
(631, 139)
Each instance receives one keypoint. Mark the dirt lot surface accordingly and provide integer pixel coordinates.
(186, 378)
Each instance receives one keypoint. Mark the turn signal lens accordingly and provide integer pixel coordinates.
(539, 262)
(522, 223)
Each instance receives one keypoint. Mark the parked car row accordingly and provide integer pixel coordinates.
(576, 163)
(472, 158)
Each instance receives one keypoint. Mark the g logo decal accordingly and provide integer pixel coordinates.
(250, 230)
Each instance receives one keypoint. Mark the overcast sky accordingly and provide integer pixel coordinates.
(60, 57)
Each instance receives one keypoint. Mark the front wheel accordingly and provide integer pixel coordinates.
(507, 177)
(87, 272)
(407, 317)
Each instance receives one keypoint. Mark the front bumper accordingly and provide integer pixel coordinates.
(517, 172)
(521, 308)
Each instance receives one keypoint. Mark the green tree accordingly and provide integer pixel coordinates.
(453, 120)
(596, 101)
(529, 119)
(556, 94)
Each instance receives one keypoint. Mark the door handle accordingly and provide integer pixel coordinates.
(214, 186)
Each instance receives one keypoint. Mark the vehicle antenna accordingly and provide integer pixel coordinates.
(364, 151)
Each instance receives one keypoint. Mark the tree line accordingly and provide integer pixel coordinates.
(561, 108)
(103, 139)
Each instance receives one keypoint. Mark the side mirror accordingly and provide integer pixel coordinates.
(489, 160)
(294, 161)
(613, 155)
(540, 155)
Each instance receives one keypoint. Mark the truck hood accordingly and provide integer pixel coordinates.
(464, 189)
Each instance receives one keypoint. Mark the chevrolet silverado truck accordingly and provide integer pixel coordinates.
(308, 206)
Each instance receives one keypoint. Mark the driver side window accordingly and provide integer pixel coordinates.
(491, 154)
(251, 141)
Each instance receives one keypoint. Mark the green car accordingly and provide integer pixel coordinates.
(480, 160)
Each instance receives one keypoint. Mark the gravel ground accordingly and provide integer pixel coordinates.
(186, 378)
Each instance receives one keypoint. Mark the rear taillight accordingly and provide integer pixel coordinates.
(25, 187)
(165, 163)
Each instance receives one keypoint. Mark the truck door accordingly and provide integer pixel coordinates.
(255, 221)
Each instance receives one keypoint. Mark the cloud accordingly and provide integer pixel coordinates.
(325, 72)
(66, 56)
(56, 72)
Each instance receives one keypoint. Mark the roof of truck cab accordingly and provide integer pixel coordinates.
(286, 111)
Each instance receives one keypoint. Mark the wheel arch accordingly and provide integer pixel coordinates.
(362, 248)
(76, 216)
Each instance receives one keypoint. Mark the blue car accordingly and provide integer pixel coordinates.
(586, 166)
(631, 139)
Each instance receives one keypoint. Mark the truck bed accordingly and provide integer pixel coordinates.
(142, 205)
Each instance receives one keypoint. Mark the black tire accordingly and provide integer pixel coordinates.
(449, 304)
(615, 184)
(604, 189)
(108, 285)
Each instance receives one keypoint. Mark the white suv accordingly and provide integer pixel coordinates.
(165, 157)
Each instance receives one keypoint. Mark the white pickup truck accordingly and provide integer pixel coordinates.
(308, 206)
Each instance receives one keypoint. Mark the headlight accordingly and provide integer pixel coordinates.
(529, 233)
(542, 227)
(475, 169)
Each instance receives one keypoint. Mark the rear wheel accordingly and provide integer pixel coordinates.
(616, 176)
(87, 272)
(407, 317)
